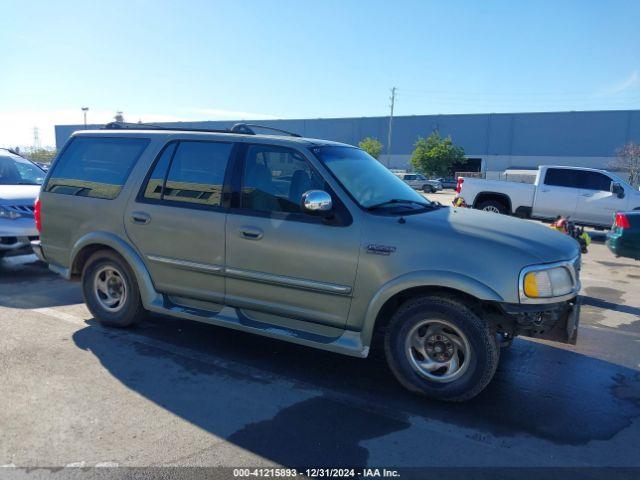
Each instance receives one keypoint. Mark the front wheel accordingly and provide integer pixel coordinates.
(438, 347)
(111, 291)
(428, 188)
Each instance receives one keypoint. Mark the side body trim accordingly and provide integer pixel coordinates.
(186, 264)
(261, 277)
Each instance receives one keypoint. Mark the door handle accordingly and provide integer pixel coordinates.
(140, 217)
(251, 233)
(587, 194)
(543, 190)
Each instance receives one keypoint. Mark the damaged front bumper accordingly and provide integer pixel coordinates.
(557, 322)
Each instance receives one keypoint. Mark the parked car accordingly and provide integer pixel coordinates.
(624, 237)
(20, 182)
(420, 182)
(447, 182)
(587, 196)
(308, 241)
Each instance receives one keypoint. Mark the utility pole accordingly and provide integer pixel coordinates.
(84, 111)
(390, 135)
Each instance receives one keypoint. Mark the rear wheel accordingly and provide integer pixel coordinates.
(493, 206)
(438, 347)
(111, 291)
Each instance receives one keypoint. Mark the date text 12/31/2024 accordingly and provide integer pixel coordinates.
(316, 472)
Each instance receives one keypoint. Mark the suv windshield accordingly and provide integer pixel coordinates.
(16, 170)
(368, 181)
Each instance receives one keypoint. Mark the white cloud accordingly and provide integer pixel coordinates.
(631, 82)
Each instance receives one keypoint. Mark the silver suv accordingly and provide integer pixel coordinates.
(303, 240)
(420, 182)
(20, 182)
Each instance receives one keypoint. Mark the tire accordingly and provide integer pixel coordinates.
(476, 369)
(493, 206)
(428, 189)
(112, 272)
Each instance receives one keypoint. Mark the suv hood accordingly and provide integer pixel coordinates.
(477, 230)
(18, 194)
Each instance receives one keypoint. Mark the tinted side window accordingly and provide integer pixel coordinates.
(155, 184)
(593, 181)
(560, 177)
(197, 173)
(95, 166)
(275, 178)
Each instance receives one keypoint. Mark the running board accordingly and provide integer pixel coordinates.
(348, 343)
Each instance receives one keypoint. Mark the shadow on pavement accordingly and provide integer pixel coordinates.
(308, 407)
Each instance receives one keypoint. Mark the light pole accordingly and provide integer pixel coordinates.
(84, 111)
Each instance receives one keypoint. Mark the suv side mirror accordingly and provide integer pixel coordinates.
(316, 201)
(617, 189)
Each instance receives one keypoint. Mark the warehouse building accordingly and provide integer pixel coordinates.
(492, 142)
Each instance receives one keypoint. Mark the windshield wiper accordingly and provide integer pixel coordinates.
(394, 201)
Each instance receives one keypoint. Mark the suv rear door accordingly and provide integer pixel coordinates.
(284, 266)
(556, 194)
(177, 221)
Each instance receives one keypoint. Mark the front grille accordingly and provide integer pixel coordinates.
(23, 210)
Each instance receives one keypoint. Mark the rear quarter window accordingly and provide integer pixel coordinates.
(560, 177)
(95, 166)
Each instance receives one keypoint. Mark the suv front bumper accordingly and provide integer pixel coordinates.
(16, 236)
(557, 322)
(16, 245)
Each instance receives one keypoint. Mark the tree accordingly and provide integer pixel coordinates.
(629, 161)
(372, 146)
(435, 155)
(43, 155)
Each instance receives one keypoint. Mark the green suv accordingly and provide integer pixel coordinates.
(308, 241)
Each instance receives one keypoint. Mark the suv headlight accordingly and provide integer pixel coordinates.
(548, 283)
(5, 213)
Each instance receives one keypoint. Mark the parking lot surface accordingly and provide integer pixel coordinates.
(173, 392)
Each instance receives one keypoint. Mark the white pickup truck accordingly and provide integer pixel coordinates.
(585, 195)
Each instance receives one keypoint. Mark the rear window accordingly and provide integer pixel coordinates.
(195, 175)
(95, 166)
(560, 177)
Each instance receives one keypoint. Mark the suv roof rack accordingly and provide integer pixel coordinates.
(247, 129)
(238, 128)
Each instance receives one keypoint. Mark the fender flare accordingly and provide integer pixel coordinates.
(423, 278)
(148, 293)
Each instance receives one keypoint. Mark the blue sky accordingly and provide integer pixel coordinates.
(196, 60)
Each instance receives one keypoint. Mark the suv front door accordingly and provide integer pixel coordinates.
(177, 222)
(284, 266)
